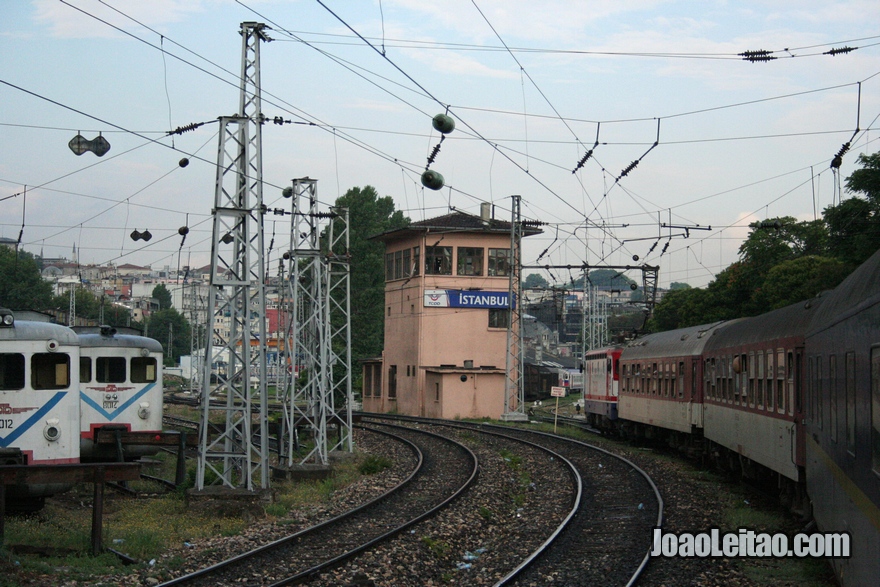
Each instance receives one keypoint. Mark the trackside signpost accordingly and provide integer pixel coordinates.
(556, 392)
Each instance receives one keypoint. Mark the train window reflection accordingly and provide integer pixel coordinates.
(110, 369)
(875, 409)
(85, 369)
(143, 369)
(11, 371)
(50, 371)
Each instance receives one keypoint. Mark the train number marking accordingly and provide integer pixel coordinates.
(6, 424)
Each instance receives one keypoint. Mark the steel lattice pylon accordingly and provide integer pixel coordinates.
(514, 392)
(238, 456)
(319, 335)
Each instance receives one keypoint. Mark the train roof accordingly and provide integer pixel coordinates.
(672, 343)
(28, 330)
(789, 321)
(860, 290)
(92, 340)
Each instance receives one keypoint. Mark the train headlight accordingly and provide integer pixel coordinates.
(144, 410)
(52, 345)
(52, 431)
(6, 318)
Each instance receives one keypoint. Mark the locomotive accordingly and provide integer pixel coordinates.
(39, 400)
(791, 397)
(120, 390)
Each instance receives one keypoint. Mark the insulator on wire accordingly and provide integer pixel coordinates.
(583, 160)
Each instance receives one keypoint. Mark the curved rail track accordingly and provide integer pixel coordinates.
(606, 539)
(445, 470)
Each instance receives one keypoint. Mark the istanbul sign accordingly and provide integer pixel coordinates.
(454, 298)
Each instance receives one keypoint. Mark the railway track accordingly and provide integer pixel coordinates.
(445, 470)
(606, 537)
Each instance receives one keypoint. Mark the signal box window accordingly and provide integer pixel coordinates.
(143, 370)
(499, 318)
(438, 260)
(470, 260)
(11, 371)
(50, 371)
(85, 369)
(499, 262)
(110, 370)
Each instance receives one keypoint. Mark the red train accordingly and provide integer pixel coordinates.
(790, 397)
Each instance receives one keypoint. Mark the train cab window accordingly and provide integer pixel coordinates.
(110, 369)
(875, 410)
(50, 371)
(11, 371)
(833, 397)
(851, 402)
(85, 369)
(143, 369)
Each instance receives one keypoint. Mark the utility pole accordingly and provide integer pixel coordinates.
(514, 392)
(238, 457)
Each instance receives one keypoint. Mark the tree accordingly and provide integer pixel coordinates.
(535, 281)
(21, 285)
(678, 285)
(169, 324)
(369, 215)
(854, 224)
(163, 296)
(800, 279)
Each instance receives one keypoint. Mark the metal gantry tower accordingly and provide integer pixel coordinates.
(595, 332)
(238, 456)
(514, 391)
(319, 334)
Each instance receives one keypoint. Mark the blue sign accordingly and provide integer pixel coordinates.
(455, 298)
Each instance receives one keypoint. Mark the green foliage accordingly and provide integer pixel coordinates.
(161, 294)
(163, 323)
(21, 285)
(535, 281)
(798, 279)
(437, 547)
(374, 464)
(369, 215)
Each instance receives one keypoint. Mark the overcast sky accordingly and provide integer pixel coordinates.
(533, 86)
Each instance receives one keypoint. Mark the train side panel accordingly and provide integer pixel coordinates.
(842, 397)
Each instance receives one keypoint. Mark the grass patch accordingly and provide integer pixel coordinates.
(437, 547)
(374, 464)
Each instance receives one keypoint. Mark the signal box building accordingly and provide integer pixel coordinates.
(446, 314)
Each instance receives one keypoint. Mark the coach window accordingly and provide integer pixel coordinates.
(818, 392)
(752, 393)
(769, 381)
(790, 383)
(780, 380)
(436, 391)
(654, 375)
(438, 260)
(759, 380)
(50, 371)
(85, 369)
(851, 402)
(875, 409)
(834, 395)
(681, 379)
(470, 260)
(11, 371)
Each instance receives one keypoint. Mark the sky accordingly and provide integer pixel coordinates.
(718, 141)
